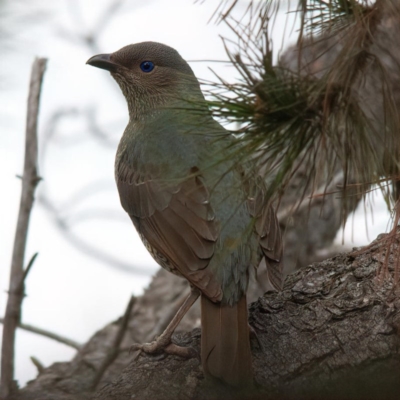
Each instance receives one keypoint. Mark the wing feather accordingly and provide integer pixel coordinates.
(270, 239)
(176, 220)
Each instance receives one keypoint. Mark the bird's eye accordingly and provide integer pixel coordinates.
(147, 66)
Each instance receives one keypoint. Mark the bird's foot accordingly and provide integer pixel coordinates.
(164, 345)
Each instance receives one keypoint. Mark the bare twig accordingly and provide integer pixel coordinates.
(39, 366)
(29, 181)
(115, 348)
(28, 268)
(91, 37)
(48, 334)
(86, 247)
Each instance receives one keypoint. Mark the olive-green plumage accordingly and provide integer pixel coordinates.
(197, 212)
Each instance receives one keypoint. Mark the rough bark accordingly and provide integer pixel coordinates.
(332, 333)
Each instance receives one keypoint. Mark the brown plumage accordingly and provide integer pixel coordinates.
(201, 215)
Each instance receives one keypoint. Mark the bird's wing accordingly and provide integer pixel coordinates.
(269, 233)
(176, 220)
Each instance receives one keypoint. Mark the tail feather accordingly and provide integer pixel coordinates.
(225, 342)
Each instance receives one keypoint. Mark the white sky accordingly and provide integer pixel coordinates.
(68, 292)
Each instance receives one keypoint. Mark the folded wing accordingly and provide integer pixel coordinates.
(176, 220)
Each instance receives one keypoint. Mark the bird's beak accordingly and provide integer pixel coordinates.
(102, 61)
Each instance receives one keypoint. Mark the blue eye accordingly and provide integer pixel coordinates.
(147, 66)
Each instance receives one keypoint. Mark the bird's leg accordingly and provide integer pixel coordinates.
(163, 342)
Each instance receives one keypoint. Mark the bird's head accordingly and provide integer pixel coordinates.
(151, 75)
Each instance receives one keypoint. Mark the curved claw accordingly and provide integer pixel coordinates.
(185, 352)
(158, 346)
(132, 349)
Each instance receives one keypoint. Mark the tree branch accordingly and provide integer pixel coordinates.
(48, 334)
(114, 350)
(30, 180)
(332, 333)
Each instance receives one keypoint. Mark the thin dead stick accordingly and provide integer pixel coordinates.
(115, 348)
(39, 366)
(48, 334)
(29, 181)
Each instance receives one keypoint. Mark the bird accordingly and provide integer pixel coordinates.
(200, 209)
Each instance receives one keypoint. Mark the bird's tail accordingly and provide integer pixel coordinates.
(225, 342)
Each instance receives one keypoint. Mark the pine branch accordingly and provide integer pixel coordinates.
(306, 118)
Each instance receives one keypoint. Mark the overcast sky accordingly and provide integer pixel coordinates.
(69, 292)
